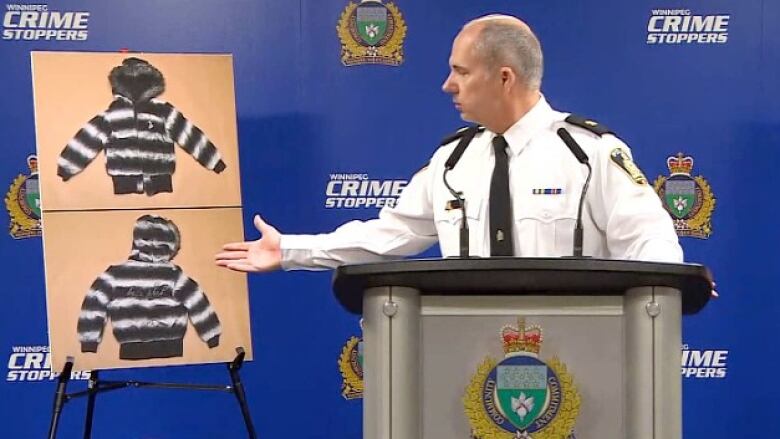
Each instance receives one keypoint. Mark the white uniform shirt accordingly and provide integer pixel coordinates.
(622, 219)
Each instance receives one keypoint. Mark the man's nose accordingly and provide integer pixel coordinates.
(448, 87)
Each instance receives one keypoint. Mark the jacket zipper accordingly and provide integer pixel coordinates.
(137, 145)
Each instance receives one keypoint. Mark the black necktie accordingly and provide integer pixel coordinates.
(500, 204)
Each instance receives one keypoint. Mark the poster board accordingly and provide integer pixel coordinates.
(139, 181)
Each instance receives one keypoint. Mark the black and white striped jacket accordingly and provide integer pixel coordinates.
(137, 133)
(148, 299)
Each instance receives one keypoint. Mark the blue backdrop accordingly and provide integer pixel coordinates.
(303, 115)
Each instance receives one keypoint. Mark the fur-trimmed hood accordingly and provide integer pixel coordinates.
(136, 80)
(155, 239)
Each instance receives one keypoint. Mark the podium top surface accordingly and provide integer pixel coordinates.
(522, 276)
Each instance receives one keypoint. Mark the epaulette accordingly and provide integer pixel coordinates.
(589, 124)
(460, 133)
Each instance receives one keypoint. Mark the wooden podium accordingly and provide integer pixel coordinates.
(618, 324)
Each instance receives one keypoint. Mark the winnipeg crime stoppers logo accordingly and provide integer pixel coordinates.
(351, 368)
(354, 191)
(521, 397)
(31, 22)
(681, 26)
(371, 33)
(689, 200)
(704, 363)
(33, 363)
(23, 203)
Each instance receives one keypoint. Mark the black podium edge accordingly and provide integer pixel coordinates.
(694, 280)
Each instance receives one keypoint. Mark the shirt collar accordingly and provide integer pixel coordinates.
(538, 117)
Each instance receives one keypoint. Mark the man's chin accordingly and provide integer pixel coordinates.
(465, 116)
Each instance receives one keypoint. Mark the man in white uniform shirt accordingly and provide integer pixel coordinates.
(495, 78)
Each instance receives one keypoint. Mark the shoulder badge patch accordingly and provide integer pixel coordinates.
(23, 203)
(351, 368)
(371, 33)
(689, 200)
(624, 162)
(588, 124)
(522, 397)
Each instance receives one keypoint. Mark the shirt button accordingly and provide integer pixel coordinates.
(546, 214)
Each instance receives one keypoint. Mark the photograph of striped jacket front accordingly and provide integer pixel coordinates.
(147, 299)
(138, 133)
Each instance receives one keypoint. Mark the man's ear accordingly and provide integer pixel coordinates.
(508, 78)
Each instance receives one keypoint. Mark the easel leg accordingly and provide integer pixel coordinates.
(92, 385)
(60, 397)
(238, 390)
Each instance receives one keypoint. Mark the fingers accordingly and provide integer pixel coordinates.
(236, 246)
(233, 261)
(222, 262)
(260, 225)
(242, 267)
(269, 232)
(231, 255)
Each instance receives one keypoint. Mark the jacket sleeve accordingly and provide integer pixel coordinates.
(83, 147)
(94, 308)
(201, 313)
(403, 230)
(193, 140)
(637, 226)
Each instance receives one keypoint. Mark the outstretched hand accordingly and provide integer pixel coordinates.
(260, 255)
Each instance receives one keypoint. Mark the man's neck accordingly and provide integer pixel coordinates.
(518, 108)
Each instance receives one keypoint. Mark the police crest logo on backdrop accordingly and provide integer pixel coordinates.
(371, 33)
(522, 397)
(351, 368)
(689, 200)
(23, 203)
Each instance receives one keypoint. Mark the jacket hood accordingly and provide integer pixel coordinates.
(136, 80)
(155, 239)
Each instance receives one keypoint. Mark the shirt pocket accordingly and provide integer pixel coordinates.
(448, 224)
(545, 221)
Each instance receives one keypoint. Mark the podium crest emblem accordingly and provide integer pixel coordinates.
(371, 32)
(23, 203)
(689, 200)
(351, 368)
(521, 396)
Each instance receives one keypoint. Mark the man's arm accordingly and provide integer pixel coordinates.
(405, 229)
(626, 206)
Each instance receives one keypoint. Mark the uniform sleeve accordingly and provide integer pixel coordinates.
(201, 313)
(83, 147)
(403, 230)
(193, 140)
(628, 209)
(94, 308)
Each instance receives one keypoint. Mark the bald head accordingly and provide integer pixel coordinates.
(506, 19)
(506, 41)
